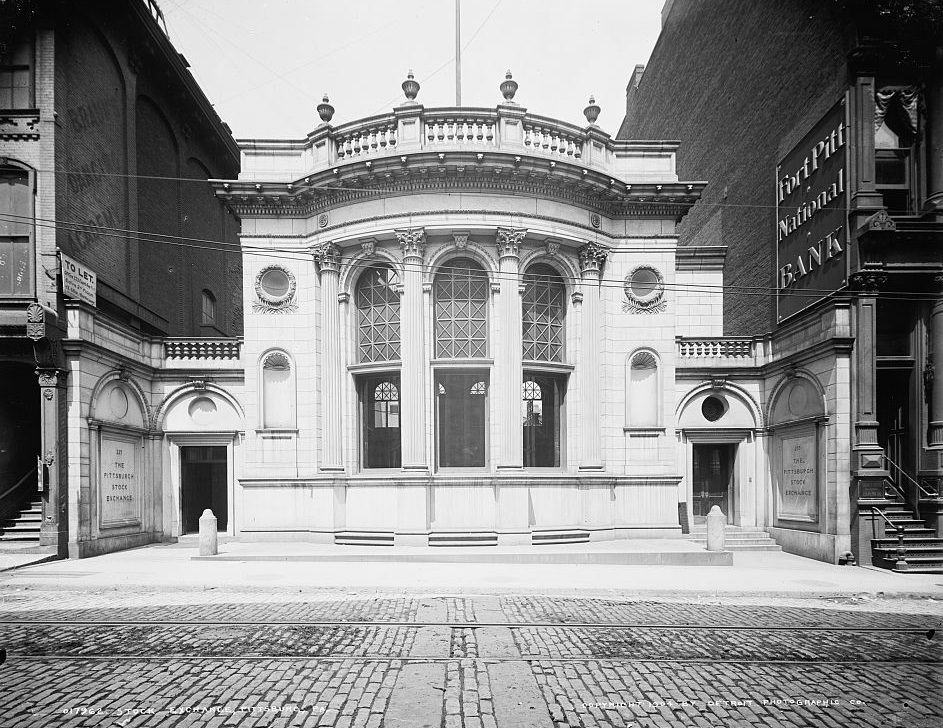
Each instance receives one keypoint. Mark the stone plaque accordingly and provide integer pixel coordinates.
(120, 481)
(797, 490)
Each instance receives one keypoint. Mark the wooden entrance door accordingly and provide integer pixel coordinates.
(712, 478)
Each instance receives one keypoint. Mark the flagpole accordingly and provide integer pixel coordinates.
(458, 52)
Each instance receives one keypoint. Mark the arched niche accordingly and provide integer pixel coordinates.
(717, 407)
(797, 418)
(202, 410)
(119, 402)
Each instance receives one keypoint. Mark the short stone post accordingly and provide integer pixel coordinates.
(716, 523)
(208, 537)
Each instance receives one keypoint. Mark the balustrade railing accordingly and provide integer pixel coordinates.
(202, 348)
(468, 129)
(716, 348)
(370, 137)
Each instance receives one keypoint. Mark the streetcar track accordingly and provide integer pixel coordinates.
(438, 658)
(458, 625)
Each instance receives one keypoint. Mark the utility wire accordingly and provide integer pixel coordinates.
(295, 254)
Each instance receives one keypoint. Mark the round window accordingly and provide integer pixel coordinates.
(274, 285)
(713, 408)
(644, 282)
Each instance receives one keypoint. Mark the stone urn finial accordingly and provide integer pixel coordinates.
(508, 87)
(591, 112)
(325, 110)
(410, 87)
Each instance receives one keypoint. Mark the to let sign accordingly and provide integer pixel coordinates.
(78, 281)
(812, 216)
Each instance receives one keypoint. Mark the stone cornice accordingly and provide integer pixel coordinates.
(494, 172)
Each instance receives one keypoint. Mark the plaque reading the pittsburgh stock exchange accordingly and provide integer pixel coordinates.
(798, 492)
(120, 484)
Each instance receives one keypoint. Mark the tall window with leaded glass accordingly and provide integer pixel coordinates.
(378, 315)
(461, 310)
(541, 396)
(543, 314)
(381, 421)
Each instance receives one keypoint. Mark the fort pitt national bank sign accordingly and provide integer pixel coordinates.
(812, 216)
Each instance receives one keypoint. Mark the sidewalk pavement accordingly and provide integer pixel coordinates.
(304, 566)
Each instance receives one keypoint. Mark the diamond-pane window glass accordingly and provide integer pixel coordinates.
(532, 404)
(378, 314)
(543, 314)
(461, 310)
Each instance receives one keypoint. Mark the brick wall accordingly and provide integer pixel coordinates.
(738, 83)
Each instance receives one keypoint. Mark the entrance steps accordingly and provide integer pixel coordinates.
(738, 538)
(923, 551)
(20, 534)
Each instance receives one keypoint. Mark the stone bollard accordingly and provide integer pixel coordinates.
(716, 522)
(208, 534)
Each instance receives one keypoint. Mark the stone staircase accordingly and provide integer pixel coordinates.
(737, 538)
(20, 534)
(923, 551)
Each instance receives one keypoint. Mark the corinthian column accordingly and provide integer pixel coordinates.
(592, 256)
(412, 380)
(507, 357)
(328, 260)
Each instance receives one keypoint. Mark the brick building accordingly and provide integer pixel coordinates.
(106, 143)
(820, 128)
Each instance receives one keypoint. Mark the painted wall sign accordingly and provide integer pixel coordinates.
(78, 281)
(812, 216)
(119, 481)
(797, 487)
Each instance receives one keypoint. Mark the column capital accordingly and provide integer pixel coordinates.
(509, 241)
(868, 283)
(592, 256)
(328, 257)
(412, 241)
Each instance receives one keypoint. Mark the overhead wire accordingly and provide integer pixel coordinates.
(296, 254)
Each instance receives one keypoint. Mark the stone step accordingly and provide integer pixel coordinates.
(891, 551)
(363, 538)
(463, 539)
(909, 543)
(557, 537)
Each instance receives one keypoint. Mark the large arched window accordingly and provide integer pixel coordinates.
(642, 407)
(378, 314)
(461, 310)
(543, 314)
(278, 397)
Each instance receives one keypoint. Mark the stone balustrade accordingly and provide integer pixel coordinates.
(202, 349)
(722, 352)
(412, 129)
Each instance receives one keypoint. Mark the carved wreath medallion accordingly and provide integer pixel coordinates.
(644, 291)
(275, 290)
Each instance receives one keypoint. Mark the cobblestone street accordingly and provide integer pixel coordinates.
(228, 658)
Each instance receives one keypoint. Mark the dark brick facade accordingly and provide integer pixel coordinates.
(135, 144)
(738, 83)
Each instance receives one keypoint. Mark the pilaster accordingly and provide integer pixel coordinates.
(508, 354)
(54, 529)
(592, 256)
(332, 458)
(933, 378)
(412, 242)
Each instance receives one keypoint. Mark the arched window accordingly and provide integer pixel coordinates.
(278, 397)
(381, 422)
(544, 314)
(209, 308)
(643, 409)
(378, 314)
(16, 221)
(461, 310)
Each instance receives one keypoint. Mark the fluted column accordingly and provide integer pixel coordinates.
(413, 377)
(332, 456)
(592, 256)
(507, 356)
(934, 137)
(935, 369)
